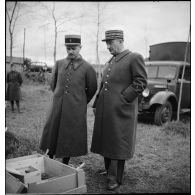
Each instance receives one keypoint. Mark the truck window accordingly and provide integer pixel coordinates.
(151, 71)
(187, 74)
(167, 72)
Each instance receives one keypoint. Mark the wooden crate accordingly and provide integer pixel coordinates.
(13, 185)
(60, 178)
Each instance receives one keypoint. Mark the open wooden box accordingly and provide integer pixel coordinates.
(41, 174)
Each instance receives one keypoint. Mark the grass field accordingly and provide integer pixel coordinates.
(161, 163)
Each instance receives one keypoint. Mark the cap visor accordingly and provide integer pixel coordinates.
(72, 44)
(106, 39)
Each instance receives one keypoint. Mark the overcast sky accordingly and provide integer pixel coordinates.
(143, 23)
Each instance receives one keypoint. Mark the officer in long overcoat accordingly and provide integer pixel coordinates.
(73, 84)
(14, 82)
(116, 106)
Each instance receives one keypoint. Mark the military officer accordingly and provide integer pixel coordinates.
(73, 84)
(14, 81)
(116, 105)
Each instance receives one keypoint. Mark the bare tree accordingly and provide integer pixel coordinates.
(97, 35)
(100, 20)
(12, 11)
(55, 32)
(58, 21)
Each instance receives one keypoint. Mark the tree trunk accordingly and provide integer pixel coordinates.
(55, 42)
(11, 47)
(97, 46)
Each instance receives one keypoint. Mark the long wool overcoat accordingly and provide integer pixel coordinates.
(116, 104)
(14, 81)
(65, 131)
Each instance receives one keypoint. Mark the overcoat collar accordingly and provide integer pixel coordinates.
(76, 62)
(121, 55)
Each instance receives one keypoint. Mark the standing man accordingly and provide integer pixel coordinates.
(116, 105)
(14, 81)
(73, 84)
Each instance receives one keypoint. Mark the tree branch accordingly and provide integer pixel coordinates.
(15, 20)
(8, 15)
(68, 20)
(13, 11)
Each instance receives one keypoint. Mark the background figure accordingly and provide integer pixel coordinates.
(73, 84)
(14, 81)
(124, 79)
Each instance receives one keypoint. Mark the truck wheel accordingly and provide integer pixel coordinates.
(163, 113)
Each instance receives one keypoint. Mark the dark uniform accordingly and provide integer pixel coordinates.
(14, 81)
(124, 79)
(73, 84)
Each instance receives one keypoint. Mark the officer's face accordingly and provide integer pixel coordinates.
(13, 67)
(73, 51)
(114, 46)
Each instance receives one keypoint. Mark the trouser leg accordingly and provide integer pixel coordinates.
(116, 170)
(65, 160)
(120, 171)
(107, 163)
(12, 105)
(112, 170)
(18, 105)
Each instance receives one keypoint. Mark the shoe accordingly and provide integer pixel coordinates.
(112, 185)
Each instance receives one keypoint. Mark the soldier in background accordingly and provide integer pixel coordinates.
(14, 82)
(73, 84)
(116, 105)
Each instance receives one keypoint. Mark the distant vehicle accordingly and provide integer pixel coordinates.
(38, 66)
(164, 80)
(164, 68)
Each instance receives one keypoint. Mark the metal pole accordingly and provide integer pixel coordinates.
(45, 42)
(24, 46)
(181, 85)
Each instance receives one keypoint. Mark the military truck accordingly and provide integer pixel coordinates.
(164, 68)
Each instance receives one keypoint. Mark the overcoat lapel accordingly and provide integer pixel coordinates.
(121, 55)
(66, 63)
(76, 62)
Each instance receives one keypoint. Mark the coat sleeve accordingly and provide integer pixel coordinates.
(139, 78)
(20, 81)
(7, 78)
(100, 87)
(94, 103)
(54, 77)
(91, 83)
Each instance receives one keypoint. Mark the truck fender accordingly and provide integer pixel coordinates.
(161, 97)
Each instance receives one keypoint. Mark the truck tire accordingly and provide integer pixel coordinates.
(163, 113)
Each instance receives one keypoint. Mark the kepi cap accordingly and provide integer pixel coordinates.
(113, 34)
(72, 40)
